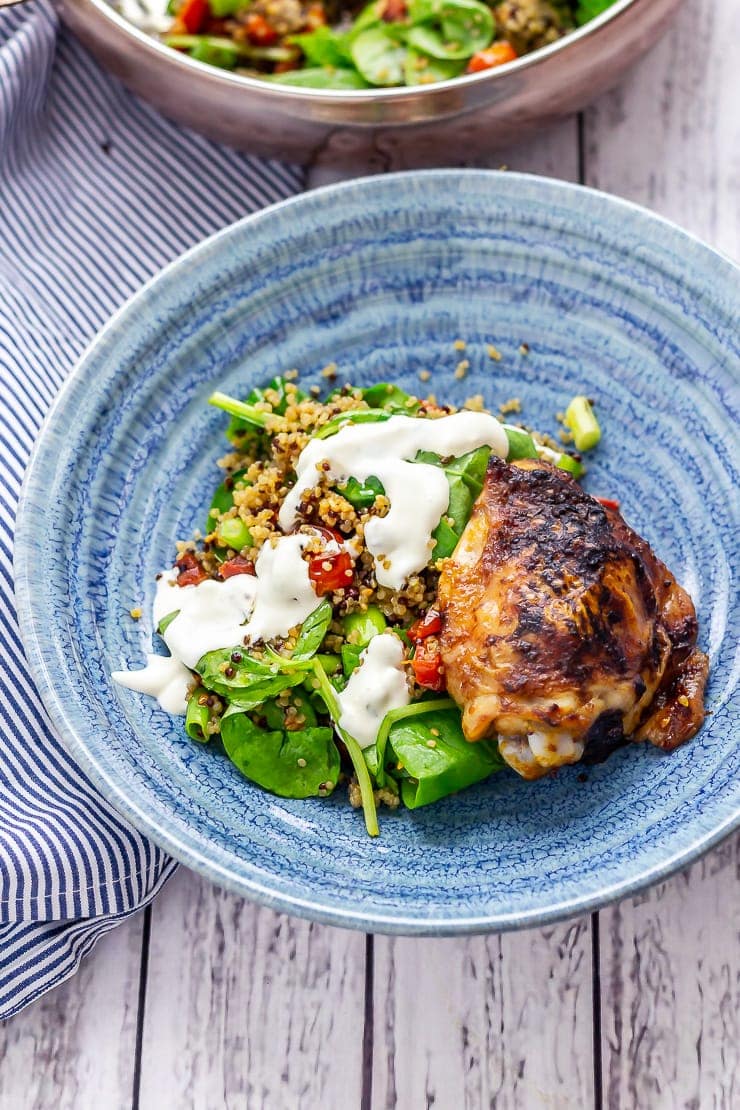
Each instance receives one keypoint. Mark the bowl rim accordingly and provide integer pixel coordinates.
(312, 908)
(277, 92)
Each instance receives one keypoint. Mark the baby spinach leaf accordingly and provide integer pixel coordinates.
(589, 9)
(521, 444)
(312, 633)
(321, 77)
(368, 17)
(323, 47)
(391, 398)
(298, 764)
(465, 478)
(275, 713)
(350, 416)
(439, 762)
(378, 55)
(361, 495)
(350, 658)
(421, 69)
(165, 622)
(459, 28)
(196, 716)
(223, 498)
(247, 682)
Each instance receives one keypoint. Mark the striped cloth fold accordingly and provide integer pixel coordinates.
(97, 192)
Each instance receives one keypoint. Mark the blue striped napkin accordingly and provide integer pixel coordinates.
(97, 192)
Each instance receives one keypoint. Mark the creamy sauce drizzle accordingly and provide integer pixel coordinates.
(376, 686)
(418, 493)
(212, 615)
(164, 677)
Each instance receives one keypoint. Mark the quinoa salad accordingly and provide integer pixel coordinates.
(302, 621)
(336, 44)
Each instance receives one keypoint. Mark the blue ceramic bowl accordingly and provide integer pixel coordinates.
(381, 276)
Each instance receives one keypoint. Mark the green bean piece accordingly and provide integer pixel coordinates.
(359, 628)
(197, 716)
(580, 418)
(573, 466)
(233, 532)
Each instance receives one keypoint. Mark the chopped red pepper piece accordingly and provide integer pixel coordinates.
(330, 571)
(497, 54)
(608, 503)
(427, 664)
(189, 570)
(193, 14)
(237, 565)
(429, 625)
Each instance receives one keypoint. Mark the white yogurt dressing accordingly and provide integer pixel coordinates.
(164, 677)
(212, 615)
(418, 492)
(285, 594)
(376, 686)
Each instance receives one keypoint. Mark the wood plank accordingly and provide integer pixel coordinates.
(553, 154)
(245, 1007)
(75, 1048)
(669, 138)
(670, 973)
(502, 1021)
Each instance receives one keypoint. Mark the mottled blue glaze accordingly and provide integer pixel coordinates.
(381, 276)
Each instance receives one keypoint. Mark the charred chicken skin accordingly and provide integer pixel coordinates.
(562, 633)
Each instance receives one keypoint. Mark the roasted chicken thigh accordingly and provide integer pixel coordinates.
(562, 633)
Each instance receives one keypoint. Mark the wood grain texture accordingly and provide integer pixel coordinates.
(498, 1021)
(669, 136)
(670, 973)
(247, 1008)
(75, 1049)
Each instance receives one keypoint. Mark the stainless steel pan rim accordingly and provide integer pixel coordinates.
(333, 96)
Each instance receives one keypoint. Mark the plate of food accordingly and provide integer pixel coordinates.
(377, 559)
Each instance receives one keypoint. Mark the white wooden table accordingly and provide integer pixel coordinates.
(205, 1001)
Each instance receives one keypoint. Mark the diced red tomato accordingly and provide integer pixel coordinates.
(237, 565)
(497, 54)
(429, 625)
(192, 15)
(259, 30)
(189, 570)
(608, 503)
(330, 571)
(427, 664)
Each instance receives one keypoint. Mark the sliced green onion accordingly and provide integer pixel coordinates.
(233, 532)
(241, 409)
(354, 751)
(580, 418)
(359, 628)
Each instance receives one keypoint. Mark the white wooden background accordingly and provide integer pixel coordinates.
(205, 1001)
